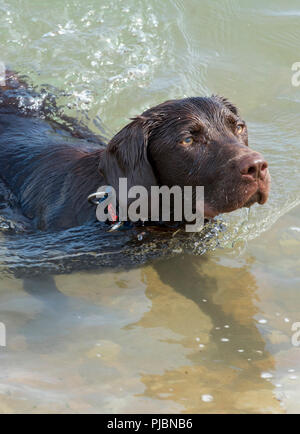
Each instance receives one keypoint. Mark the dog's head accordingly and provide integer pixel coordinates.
(191, 142)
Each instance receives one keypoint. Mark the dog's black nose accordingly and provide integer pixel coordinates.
(253, 166)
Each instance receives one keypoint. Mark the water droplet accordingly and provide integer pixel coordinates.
(293, 377)
(207, 398)
(266, 375)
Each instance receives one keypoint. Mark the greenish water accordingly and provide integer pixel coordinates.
(160, 338)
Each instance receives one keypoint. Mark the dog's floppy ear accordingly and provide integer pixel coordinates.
(126, 157)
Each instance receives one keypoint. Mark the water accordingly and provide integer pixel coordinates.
(189, 333)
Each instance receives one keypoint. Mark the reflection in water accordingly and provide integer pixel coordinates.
(210, 308)
(158, 338)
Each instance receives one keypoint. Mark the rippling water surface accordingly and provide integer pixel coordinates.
(189, 333)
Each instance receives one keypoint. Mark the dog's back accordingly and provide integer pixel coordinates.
(39, 163)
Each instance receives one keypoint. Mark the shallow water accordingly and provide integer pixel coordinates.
(190, 333)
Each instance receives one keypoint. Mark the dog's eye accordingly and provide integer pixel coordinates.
(187, 141)
(240, 128)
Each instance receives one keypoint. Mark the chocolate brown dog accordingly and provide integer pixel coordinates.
(187, 142)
